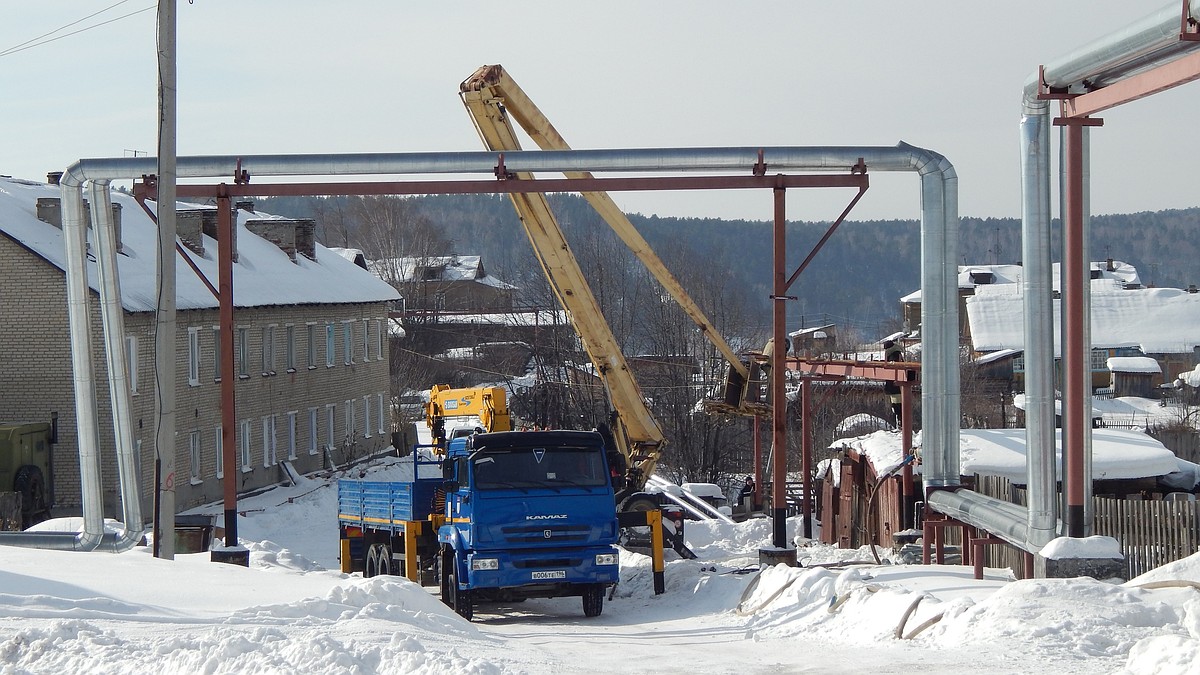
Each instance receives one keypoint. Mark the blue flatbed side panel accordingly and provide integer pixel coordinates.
(385, 504)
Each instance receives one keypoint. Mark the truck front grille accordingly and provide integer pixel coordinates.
(548, 562)
(545, 533)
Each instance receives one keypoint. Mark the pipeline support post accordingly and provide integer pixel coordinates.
(779, 538)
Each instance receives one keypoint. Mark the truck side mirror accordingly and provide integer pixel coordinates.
(447, 469)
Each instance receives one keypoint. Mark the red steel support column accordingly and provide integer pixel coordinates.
(1075, 353)
(756, 498)
(806, 453)
(228, 413)
(906, 432)
(778, 365)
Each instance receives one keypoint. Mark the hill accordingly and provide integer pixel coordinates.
(856, 280)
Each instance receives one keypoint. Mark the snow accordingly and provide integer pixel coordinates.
(262, 276)
(1155, 320)
(1094, 547)
(1116, 454)
(291, 611)
(1133, 364)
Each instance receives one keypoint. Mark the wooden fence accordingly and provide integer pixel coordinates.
(1151, 532)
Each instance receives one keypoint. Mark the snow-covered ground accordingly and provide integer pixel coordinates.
(292, 612)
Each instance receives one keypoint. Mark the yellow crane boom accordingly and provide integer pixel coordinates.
(494, 100)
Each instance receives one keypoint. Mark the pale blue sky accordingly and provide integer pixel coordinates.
(275, 76)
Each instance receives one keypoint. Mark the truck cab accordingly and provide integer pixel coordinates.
(529, 514)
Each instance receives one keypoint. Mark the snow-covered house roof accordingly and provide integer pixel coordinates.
(973, 276)
(1155, 320)
(436, 268)
(1116, 454)
(262, 276)
(1133, 364)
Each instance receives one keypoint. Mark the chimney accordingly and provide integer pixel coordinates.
(54, 177)
(1111, 266)
(189, 225)
(49, 210)
(306, 238)
(278, 231)
(209, 224)
(1192, 288)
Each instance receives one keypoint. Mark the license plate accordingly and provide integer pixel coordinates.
(556, 574)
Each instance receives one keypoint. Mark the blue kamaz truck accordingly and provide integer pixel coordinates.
(511, 515)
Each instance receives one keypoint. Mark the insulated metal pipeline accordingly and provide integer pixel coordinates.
(1036, 286)
(1003, 519)
(113, 320)
(939, 222)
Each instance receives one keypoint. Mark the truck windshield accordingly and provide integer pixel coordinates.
(539, 467)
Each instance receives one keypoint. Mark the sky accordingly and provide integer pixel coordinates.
(292, 611)
(375, 76)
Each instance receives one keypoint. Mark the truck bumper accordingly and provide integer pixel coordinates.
(566, 570)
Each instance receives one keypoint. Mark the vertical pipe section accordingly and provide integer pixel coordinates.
(80, 326)
(113, 319)
(1074, 361)
(164, 328)
(778, 395)
(1039, 313)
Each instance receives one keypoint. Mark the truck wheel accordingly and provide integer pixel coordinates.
(379, 560)
(32, 486)
(593, 600)
(445, 562)
(460, 600)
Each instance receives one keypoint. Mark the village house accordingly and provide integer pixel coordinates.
(1128, 320)
(310, 354)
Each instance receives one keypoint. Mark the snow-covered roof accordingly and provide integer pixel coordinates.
(436, 268)
(974, 276)
(263, 275)
(814, 332)
(1155, 320)
(997, 355)
(1191, 377)
(1133, 364)
(513, 318)
(1116, 454)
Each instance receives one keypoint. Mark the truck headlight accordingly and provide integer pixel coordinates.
(485, 564)
(606, 558)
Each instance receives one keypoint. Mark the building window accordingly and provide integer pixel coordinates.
(194, 357)
(350, 420)
(381, 415)
(379, 339)
(290, 350)
(330, 412)
(131, 360)
(194, 451)
(1100, 360)
(291, 431)
(246, 468)
(243, 351)
(216, 334)
(268, 350)
(312, 345)
(348, 342)
(219, 444)
(270, 457)
(329, 345)
(366, 323)
(367, 416)
(312, 431)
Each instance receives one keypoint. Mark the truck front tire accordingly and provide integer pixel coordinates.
(593, 600)
(460, 601)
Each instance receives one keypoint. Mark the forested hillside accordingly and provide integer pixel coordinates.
(856, 280)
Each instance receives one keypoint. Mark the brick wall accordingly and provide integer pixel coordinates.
(36, 378)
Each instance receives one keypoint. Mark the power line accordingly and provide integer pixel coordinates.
(39, 41)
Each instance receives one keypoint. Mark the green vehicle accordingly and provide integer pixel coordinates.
(25, 462)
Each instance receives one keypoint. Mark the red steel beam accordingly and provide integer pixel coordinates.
(518, 185)
(1153, 81)
(885, 371)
